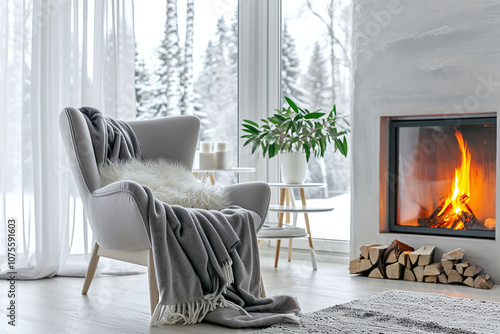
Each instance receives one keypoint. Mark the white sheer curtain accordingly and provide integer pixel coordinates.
(53, 54)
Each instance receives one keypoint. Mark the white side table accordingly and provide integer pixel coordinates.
(287, 206)
(210, 172)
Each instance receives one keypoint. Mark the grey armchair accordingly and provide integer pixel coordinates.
(117, 212)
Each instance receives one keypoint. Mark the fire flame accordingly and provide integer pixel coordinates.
(460, 188)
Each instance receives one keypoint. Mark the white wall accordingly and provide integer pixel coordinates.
(418, 58)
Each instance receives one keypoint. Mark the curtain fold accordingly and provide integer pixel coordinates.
(54, 54)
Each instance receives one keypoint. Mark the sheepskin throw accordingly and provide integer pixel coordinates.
(169, 182)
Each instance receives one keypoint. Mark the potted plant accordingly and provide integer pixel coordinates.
(297, 134)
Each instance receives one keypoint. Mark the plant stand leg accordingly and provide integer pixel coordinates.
(212, 178)
(290, 202)
(280, 224)
(308, 228)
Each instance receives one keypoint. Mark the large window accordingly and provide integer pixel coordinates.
(316, 73)
(187, 63)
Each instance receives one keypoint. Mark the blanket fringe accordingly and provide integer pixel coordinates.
(194, 312)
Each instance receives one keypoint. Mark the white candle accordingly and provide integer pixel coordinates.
(221, 146)
(207, 160)
(223, 160)
(205, 147)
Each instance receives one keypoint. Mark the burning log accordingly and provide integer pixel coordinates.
(425, 222)
(490, 223)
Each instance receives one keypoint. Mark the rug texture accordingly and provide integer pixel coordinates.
(400, 312)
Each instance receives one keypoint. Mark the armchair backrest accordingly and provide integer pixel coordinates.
(174, 138)
(76, 138)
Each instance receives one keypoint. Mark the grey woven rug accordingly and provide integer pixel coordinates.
(401, 312)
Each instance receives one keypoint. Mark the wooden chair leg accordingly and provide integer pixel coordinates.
(94, 260)
(153, 286)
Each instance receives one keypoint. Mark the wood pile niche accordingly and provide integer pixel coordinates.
(401, 261)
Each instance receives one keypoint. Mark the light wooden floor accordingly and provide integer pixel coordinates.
(120, 304)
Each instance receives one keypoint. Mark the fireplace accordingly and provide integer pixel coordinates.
(442, 176)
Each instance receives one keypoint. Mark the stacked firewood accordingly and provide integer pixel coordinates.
(401, 261)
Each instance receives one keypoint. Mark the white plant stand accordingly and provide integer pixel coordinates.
(286, 207)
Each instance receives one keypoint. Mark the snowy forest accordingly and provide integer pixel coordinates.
(315, 76)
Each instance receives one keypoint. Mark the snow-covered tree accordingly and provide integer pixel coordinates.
(217, 84)
(290, 71)
(169, 72)
(316, 82)
(188, 98)
(143, 89)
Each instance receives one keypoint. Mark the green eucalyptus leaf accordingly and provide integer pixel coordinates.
(292, 104)
(251, 122)
(248, 141)
(314, 115)
(274, 120)
(255, 146)
(251, 128)
(281, 118)
(344, 146)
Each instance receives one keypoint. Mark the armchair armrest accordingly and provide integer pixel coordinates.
(253, 196)
(117, 214)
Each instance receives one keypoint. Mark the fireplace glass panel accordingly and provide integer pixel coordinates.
(444, 174)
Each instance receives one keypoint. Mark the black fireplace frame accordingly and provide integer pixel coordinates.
(393, 167)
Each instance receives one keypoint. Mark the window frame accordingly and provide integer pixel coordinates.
(259, 92)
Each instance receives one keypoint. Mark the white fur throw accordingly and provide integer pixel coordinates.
(169, 182)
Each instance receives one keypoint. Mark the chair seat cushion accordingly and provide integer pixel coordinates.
(170, 183)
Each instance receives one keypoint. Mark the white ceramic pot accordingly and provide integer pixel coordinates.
(293, 167)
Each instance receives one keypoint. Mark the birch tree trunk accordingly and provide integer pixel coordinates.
(187, 74)
(172, 60)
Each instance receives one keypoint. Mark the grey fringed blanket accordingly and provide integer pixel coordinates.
(207, 262)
